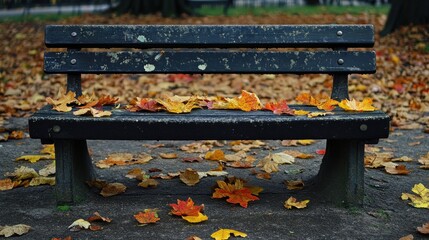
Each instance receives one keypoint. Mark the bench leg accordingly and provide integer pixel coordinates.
(73, 169)
(341, 175)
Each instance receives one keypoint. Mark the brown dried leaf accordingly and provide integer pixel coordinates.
(112, 189)
(190, 177)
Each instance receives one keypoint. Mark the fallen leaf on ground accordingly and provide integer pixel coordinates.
(282, 158)
(168, 155)
(408, 237)
(16, 135)
(48, 170)
(395, 169)
(236, 193)
(190, 177)
(298, 154)
(268, 165)
(185, 208)
(216, 155)
(421, 197)
(402, 159)
(245, 146)
(147, 216)
(292, 202)
(19, 229)
(112, 189)
(79, 224)
(424, 160)
(42, 181)
(306, 142)
(122, 159)
(35, 158)
(6, 184)
(294, 185)
(196, 219)
(224, 234)
(424, 229)
(147, 182)
(23, 173)
(377, 159)
(98, 217)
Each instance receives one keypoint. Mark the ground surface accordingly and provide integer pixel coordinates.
(399, 88)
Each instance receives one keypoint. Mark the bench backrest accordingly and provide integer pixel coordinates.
(211, 49)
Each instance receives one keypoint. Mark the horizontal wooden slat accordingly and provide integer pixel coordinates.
(210, 62)
(199, 36)
(208, 124)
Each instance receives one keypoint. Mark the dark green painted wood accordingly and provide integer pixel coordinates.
(203, 36)
(210, 62)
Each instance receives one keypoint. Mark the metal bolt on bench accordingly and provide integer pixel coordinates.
(221, 50)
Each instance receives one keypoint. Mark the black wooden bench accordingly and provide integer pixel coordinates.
(220, 50)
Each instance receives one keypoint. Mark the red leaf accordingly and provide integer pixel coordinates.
(279, 108)
(185, 208)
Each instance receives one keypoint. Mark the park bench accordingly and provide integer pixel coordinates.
(203, 49)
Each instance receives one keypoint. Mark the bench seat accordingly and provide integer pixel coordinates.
(209, 124)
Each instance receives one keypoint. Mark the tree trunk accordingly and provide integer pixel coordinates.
(406, 12)
(168, 8)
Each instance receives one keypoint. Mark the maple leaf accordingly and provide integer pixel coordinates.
(224, 234)
(143, 104)
(279, 108)
(247, 101)
(61, 104)
(19, 229)
(354, 105)
(298, 154)
(6, 184)
(185, 208)
(147, 216)
(395, 169)
(300, 112)
(178, 106)
(292, 202)
(321, 102)
(319, 114)
(236, 193)
(421, 200)
(196, 219)
(148, 182)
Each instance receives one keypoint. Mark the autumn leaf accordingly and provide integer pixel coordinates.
(305, 142)
(216, 155)
(178, 106)
(190, 177)
(377, 159)
(143, 104)
(147, 216)
(236, 193)
(196, 219)
(6, 184)
(19, 229)
(424, 229)
(298, 154)
(168, 155)
(79, 224)
(35, 158)
(294, 185)
(424, 160)
(300, 112)
(112, 189)
(396, 169)
(36, 181)
(122, 159)
(224, 234)
(185, 208)
(279, 108)
(246, 102)
(98, 217)
(23, 173)
(356, 106)
(319, 114)
(292, 202)
(148, 182)
(16, 135)
(93, 112)
(321, 102)
(60, 105)
(421, 197)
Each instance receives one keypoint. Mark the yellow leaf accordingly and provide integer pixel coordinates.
(283, 158)
(306, 142)
(300, 112)
(61, 104)
(35, 158)
(23, 173)
(42, 181)
(48, 170)
(18, 229)
(178, 106)
(421, 200)
(224, 234)
(216, 155)
(196, 219)
(292, 202)
(168, 155)
(80, 223)
(354, 105)
(319, 114)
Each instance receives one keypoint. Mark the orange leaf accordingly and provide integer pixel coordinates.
(147, 216)
(424, 229)
(98, 217)
(279, 108)
(139, 104)
(246, 102)
(61, 104)
(236, 194)
(322, 103)
(178, 106)
(395, 169)
(216, 155)
(6, 184)
(354, 105)
(185, 208)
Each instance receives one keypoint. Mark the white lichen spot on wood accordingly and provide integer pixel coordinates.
(142, 38)
(202, 67)
(149, 68)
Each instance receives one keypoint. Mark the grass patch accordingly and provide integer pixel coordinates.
(298, 10)
(52, 17)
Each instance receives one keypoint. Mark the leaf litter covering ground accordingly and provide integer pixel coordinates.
(399, 88)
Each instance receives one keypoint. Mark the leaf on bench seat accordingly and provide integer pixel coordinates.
(279, 108)
(322, 102)
(61, 104)
(247, 101)
(356, 106)
(140, 104)
(178, 106)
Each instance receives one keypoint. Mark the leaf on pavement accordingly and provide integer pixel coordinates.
(147, 216)
(48, 170)
(185, 208)
(294, 185)
(122, 159)
(292, 202)
(168, 155)
(236, 193)
(424, 160)
(196, 219)
(19, 229)
(23, 173)
(424, 229)
(190, 177)
(421, 197)
(112, 189)
(6, 184)
(298, 154)
(35, 158)
(98, 217)
(42, 181)
(395, 169)
(224, 234)
(79, 225)
(216, 155)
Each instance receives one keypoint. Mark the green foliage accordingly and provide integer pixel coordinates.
(63, 208)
